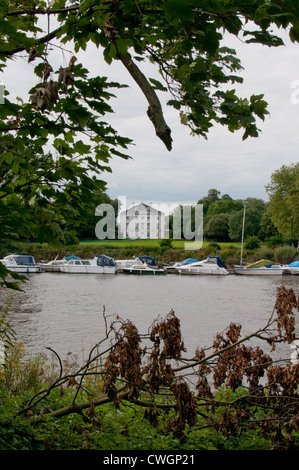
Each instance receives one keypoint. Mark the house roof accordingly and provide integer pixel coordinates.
(142, 204)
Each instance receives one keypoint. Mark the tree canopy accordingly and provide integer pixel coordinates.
(56, 144)
(283, 191)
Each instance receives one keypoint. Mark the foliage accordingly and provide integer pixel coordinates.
(166, 243)
(285, 254)
(216, 227)
(70, 238)
(7, 334)
(283, 192)
(252, 223)
(55, 145)
(252, 243)
(140, 391)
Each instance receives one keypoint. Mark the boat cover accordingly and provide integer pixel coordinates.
(216, 260)
(72, 257)
(149, 260)
(189, 260)
(294, 264)
(103, 260)
(260, 264)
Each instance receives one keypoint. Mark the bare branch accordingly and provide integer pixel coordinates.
(154, 111)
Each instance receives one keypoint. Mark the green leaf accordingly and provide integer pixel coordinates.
(157, 85)
(178, 10)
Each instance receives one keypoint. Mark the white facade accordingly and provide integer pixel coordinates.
(142, 221)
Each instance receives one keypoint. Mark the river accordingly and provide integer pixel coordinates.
(65, 311)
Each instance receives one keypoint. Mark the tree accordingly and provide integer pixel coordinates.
(252, 224)
(55, 145)
(224, 206)
(267, 229)
(217, 227)
(206, 201)
(86, 230)
(283, 206)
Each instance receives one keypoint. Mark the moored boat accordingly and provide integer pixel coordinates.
(55, 264)
(143, 269)
(127, 263)
(176, 266)
(262, 267)
(293, 267)
(145, 265)
(212, 265)
(21, 264)
(100, 264)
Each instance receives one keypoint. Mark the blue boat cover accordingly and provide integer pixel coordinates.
(189, 260)
(294, 264)
(72, 257)
(217, 260)
(104, 260)
(149, 260)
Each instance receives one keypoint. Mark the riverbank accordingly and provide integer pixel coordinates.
(114, 401)
(230, 253)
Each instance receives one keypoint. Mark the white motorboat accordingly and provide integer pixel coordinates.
(294, 270)
(293, 267)
(127, 263)
(100, 264)
(143, 269)
(211, 265)
(56, 264)
(21, 264)
(145, 265)
(176, 266)
(261, 268)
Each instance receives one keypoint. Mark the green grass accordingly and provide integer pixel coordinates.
(149, 243)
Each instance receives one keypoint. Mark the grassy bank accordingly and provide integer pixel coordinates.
(179, 244)
(230, 253)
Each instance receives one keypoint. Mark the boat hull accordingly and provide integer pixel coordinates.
(87, 270)
(203, 272)
(294, 270)
(24, 269)
(259, 271)
(144, 272)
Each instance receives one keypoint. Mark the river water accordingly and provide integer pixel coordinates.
(65, 311)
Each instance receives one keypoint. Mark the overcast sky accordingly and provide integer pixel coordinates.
(224, 161)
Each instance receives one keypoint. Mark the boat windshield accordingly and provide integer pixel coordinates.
(24, 259)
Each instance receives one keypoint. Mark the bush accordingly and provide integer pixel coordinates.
(285, 254)
(252, 243)
(70, 238)
(166, 243)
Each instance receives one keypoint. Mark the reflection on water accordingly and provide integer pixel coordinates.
(65, 311)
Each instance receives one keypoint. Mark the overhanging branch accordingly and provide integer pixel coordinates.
(154, 111)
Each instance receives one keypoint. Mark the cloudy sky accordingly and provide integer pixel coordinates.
(224, 161)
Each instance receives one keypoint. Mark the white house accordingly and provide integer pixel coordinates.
(142, 221)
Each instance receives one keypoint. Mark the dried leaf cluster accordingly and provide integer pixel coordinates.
(47, 92)
(160, 379)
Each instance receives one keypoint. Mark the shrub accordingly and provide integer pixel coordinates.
(285, 254)
(252, 243)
